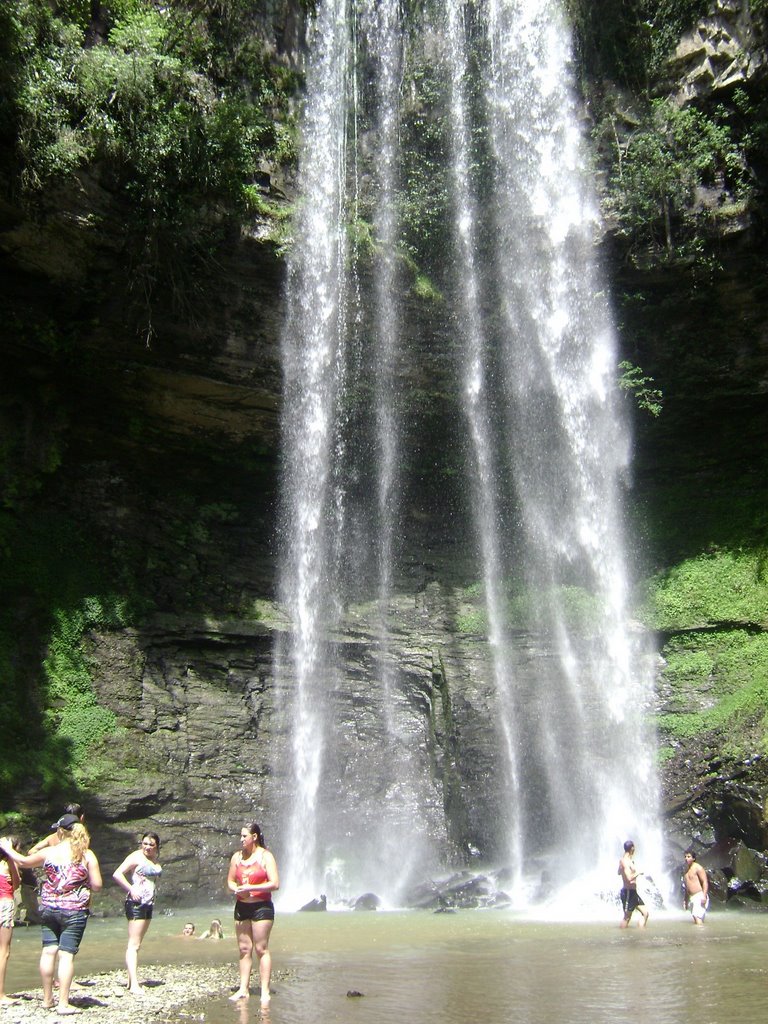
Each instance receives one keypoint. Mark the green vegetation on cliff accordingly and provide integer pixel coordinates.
(630, 41)
(660, 167)
(721, 587)
(714, 609)
(719, 686)
(683, 166)
(174, 108)
(53, 590)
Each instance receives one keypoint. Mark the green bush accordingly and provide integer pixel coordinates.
(634, 381)
(721, 587)
(731, 668)
(53, 590)
(176, 112)
(658, 164)
(473, 621)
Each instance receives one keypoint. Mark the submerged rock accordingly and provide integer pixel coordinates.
(317, 904)
(463, 890)
(368, 901)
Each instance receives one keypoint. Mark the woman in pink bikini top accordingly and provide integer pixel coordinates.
(253, 878)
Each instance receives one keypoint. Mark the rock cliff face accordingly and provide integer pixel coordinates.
(169, 461)
(723, 50)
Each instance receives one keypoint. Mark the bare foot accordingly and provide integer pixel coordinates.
(8, 1001)
(68, 1010)
(138, 991)
(239, 995)
(265, 997)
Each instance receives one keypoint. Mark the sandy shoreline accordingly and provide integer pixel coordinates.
(166, 989)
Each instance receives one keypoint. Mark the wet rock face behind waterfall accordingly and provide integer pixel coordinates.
(202, 746)
(192, 753)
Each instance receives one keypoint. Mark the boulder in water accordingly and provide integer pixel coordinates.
(368, 901)
(316, 904)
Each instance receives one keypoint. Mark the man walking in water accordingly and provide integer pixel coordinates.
(696, 888)
(630, 898)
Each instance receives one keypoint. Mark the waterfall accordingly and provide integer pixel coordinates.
(533, 363)
(351, 797)
(477, 411)
(589, 753)
(380, 25)
(314, 361)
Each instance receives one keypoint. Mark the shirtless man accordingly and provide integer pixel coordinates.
(696, 888)
(630, 898)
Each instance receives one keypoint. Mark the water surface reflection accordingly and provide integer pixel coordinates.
(493, 967)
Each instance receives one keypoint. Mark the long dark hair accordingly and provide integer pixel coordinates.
(255, 829)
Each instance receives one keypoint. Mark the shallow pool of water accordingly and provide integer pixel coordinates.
(493, 966)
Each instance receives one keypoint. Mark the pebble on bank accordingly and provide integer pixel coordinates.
(166, 990)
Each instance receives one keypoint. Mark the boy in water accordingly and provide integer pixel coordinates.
(696, 888)
(630, 898)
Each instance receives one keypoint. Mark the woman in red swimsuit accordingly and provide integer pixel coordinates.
(253, 878)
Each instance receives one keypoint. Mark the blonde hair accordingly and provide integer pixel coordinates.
(79, 840)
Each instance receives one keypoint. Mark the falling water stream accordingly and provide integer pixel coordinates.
(478, 413)
(546, 458)
(314, 359)
(587, 745)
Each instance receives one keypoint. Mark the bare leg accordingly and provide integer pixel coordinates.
(66, 974)
(6, 934)
(644, 915)
(136, 932)
(245, 948)
(47, 969)
(261, 930)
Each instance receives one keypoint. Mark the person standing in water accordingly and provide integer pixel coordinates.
(253, 878)
(140, 900)
(696, 884)
(72, 874)
(630, 898)
(9, 883)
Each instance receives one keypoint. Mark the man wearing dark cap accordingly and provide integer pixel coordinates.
(630, 897)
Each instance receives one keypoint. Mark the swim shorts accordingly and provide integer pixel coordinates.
(630, 900)
(698, 904)
(138, 911)
(262, 910)
(7, 912)
(63, 928)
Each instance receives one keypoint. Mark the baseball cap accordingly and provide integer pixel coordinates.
(66, 821)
